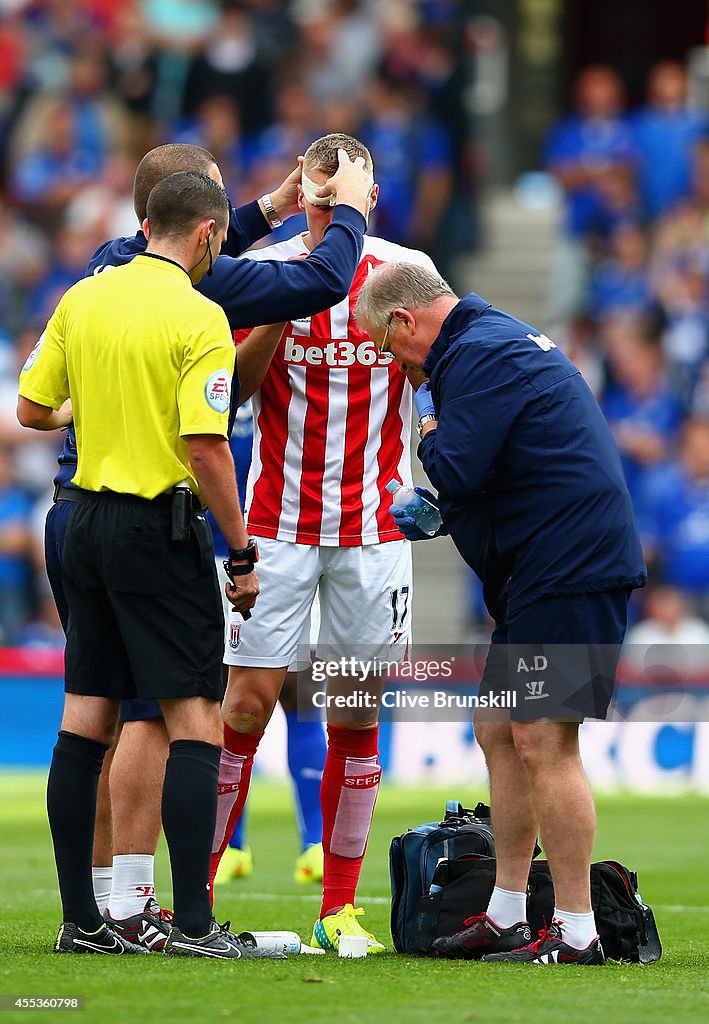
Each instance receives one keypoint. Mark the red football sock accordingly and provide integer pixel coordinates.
(350, 784)
(235, 766)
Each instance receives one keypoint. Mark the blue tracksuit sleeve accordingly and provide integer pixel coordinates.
(253, 293)
(478, 400)
(246, 226)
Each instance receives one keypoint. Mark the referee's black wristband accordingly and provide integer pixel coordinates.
(237, 570)
(249, 554)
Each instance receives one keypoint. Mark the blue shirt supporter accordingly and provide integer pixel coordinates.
(663, 141)
(252, 291)
(657, 415)
(589, 142)
(15, 511)
(403, 150)
(529, 478)
(614, 287)
(675, 524)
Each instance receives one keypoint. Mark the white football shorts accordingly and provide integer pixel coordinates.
(365, 596)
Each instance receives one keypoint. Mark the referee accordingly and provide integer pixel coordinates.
(147, 362)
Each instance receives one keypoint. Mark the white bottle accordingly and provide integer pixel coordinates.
(425, 515)
(283, 942)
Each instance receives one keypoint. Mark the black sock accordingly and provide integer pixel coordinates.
(189, 813)
(71, 806)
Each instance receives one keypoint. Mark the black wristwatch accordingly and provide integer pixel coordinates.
(248, 554)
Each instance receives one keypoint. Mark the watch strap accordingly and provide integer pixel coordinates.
(428, 418)
(270, 209)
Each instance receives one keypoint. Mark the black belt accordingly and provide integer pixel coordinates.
(62, 493)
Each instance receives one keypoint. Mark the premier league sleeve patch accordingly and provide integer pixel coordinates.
(217, 391)
(30, 361)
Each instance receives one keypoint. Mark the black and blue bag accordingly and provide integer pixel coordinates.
(413, 858)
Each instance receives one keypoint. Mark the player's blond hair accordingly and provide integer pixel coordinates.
(321, 155)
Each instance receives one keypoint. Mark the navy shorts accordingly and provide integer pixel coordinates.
(137, 710)
(134, 710)
(54, 530)
(557, 658)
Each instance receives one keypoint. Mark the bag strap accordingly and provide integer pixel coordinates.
(454, 809)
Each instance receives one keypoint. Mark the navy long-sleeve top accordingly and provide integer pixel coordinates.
(253, 292)
(529, 478)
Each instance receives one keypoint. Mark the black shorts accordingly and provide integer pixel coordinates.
(145, 613)
(54, 531)
(557, 658)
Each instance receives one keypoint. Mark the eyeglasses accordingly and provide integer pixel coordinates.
(384, 343)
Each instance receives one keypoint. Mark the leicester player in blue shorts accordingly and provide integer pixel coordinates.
(306, 740)
(531, 490)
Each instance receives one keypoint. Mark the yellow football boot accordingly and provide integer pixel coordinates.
(327, 932)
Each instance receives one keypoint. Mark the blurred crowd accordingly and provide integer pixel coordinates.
(630, 291)
(87, 87)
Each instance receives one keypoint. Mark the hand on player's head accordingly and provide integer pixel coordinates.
(285, 197)
(351, 183)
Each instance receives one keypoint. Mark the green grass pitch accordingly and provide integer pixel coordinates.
(665, 839)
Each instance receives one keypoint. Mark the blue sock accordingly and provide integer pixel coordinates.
(306, 759)
(238, 836)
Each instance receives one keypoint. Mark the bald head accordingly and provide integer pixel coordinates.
(163, 161)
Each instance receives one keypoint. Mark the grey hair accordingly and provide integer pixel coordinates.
(398, 284)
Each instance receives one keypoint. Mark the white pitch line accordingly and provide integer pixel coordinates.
(302, 897)
(270, 897)
(679, 909)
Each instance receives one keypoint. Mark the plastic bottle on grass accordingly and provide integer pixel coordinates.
(425, 515)
(284, 942)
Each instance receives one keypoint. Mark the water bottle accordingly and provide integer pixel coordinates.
(434, 887)
(425, 515)
(284, 942)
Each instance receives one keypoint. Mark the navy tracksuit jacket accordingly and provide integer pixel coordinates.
(252, 293)
(529, 477)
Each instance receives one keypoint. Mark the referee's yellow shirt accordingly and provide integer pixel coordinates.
(146, 360)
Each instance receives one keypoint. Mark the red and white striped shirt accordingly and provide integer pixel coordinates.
(332, 422)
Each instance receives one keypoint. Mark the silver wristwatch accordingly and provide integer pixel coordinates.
(271, 211)
(428, 418)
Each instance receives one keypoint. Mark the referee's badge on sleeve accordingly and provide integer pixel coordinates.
(217, 391)
(29, 362)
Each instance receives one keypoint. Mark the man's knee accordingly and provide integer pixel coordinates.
(545, 743)
(96, 718)
(493, 736)
(250, 697)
